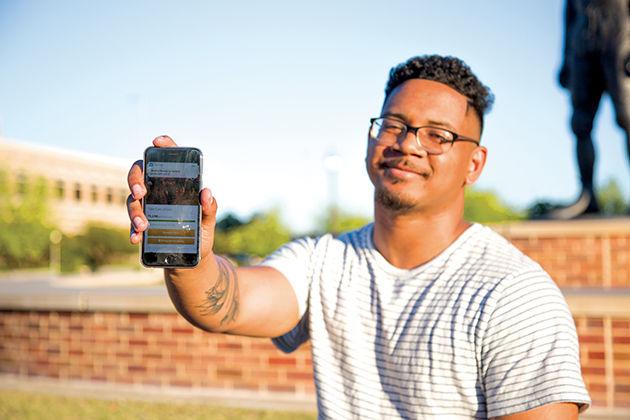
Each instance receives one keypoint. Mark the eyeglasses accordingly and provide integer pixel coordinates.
(388, 131)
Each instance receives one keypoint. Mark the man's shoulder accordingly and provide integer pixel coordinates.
(497, 253)
(357, 237)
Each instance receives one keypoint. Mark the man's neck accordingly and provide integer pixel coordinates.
(411, 239)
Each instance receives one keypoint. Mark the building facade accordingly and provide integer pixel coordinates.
(83, 187)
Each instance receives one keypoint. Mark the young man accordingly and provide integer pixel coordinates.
(420, 314)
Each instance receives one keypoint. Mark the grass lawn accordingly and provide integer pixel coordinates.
(24, 405)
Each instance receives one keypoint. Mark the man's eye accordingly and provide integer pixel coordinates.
(392, 128)
(438, 136)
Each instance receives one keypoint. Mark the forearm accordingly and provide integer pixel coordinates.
(207, 296)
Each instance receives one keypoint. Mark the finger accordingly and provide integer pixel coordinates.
(135, 179)
(208, 209)
(134, 237)
(139, 221)
(164, 141)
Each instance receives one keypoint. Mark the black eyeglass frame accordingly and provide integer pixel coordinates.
(414, 130)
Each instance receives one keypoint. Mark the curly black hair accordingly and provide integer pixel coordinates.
(451, 71)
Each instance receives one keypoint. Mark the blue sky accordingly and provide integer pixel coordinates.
(268, 89)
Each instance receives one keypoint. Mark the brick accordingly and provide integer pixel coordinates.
(596, 388)
(180, 382)
(169, 370)
(136, 368)
(264, 345)
(229, 346)
(249, 386)
(622, 399)
(622, 372)
(282, 361)
(229, 373)
(253, 360)
(166, 343)
(596, 355)
(300, 376)
(182, 330)
(591, 339)
(152, 329)
(273, 374)
(593, 370)
(595, 323)
(281, 388)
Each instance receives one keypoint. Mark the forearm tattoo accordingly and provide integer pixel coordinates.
(224, 293)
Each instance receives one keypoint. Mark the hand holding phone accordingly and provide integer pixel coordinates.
(164, 206)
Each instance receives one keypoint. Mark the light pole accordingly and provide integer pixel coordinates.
(55, 252)
(333, 164)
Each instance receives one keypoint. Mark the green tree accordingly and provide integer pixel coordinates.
(486, 206)
(337, 221)
(97, 245)
(611, 201)
(259, 236)
(24, 224)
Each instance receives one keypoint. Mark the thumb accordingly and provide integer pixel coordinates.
(208, 220)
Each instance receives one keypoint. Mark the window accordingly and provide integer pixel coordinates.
(109, 196)
(60, 189)
(77, 191)
(94, 194)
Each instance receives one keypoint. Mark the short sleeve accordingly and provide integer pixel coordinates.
(294, 261)
(530, 352)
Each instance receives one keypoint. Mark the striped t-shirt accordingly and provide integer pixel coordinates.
(479, 331)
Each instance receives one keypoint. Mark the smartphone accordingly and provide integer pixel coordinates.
(172, 176)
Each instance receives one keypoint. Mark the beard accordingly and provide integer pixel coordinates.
(392, 202)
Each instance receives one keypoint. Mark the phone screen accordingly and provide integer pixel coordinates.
(172, 176)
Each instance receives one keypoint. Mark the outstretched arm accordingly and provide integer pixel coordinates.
(217, 296)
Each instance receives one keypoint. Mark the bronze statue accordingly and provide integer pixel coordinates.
(596, 61)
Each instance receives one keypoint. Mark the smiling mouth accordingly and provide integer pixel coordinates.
(402, 168)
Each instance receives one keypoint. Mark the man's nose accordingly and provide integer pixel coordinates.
(410, 144)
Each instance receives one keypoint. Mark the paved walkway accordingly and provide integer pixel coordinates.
(109, 290)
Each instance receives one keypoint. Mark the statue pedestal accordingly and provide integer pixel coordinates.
(586, 253)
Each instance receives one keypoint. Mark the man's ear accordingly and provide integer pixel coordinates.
(476, 163)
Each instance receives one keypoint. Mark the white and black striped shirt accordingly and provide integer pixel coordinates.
(479, 331)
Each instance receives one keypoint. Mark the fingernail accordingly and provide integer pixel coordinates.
(210, 197)
(137, 190)
(138, 222)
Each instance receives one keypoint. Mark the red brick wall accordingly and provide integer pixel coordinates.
(162, 349)
(587, 253)
(150, 349)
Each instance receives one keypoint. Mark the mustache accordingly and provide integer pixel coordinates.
(405, 163)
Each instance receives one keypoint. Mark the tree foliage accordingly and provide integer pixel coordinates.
(97, 245)
(611, 201)
(337, 221)
(259, 236)
(24, 224)
(486, 207)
